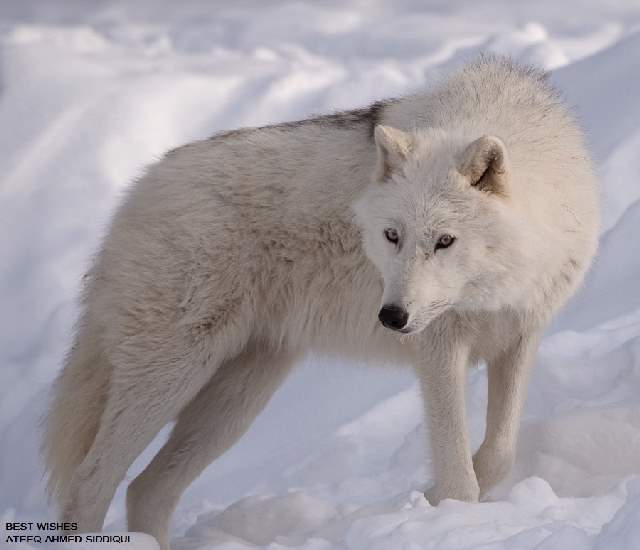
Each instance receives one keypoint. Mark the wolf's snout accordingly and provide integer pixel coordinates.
(393, 316)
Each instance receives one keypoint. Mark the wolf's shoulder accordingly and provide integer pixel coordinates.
(490, 90)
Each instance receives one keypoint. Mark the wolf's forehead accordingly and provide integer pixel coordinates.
(432, 175)
(437, 195)
(435, 207)
(436, 150)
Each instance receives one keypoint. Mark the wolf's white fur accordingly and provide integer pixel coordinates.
(233, 256)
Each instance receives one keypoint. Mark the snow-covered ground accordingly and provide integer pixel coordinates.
(90, 92)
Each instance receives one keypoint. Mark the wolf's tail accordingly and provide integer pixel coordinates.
(78, 401)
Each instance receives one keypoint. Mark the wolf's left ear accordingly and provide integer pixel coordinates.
(485, 164)
(393, 148)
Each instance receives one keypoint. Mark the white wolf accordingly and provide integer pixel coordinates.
(441, 229)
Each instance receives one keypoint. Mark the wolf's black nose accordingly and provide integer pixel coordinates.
(393, 317)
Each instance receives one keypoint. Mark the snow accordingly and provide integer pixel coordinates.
(92, 92)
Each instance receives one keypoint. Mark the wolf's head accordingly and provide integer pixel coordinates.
(438, 224)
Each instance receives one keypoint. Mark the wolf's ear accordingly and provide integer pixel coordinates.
(485, 164)
(393, 148)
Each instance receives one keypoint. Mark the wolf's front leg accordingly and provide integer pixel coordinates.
(443, 375)
(508, 377)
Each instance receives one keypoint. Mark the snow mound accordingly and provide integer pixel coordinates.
(532, 516)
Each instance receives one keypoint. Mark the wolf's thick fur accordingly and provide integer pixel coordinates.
(469, 211)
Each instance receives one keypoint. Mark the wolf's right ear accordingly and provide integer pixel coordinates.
(393, 147)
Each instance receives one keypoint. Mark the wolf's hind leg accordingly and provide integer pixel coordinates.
(508, 377)
(218, 416)
(139, 403)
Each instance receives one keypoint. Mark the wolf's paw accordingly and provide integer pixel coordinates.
(459, 489)
(491, 464)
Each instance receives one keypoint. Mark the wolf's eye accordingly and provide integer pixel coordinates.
(445, 241)
(391, 235)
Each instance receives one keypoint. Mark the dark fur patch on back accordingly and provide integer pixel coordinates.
(370, 116)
